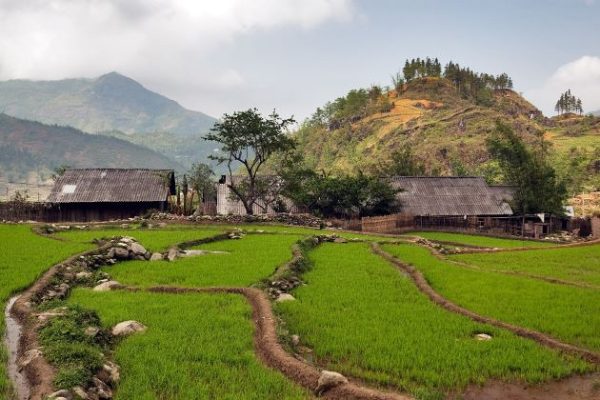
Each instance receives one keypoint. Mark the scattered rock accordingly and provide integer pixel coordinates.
(172, 254)
(113, 372)
(120, 253)
(107, 286)
(340, 240)
(137, 249)
(104, 392)
(60, 394)
(285, 297)
(28, 358)
(295, 340)
(156, 257)
(329, 380)
(91, 331)
(483, 337)
(126, 328)
(83, 275)
(80, 393)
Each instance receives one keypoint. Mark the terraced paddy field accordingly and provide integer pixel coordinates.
(354, 312)
(240, 262)
(361, 317)
(578, 265)
(480, 241)
(571, 314)
(197, 346)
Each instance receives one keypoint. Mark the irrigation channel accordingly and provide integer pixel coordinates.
(12, 338)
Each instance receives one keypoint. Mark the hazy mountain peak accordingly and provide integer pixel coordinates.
(110, 102)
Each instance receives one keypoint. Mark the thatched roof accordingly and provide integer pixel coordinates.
(447, 196)
(107, 185)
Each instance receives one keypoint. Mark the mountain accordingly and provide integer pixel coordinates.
(596, 113)
(107, 103)
(31, 148)
(445, 130)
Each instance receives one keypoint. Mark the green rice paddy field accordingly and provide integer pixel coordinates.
(357, 312)
(480, 241)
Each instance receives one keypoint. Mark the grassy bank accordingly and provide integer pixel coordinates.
(365, 319)
(24, 257)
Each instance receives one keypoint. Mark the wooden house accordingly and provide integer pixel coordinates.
(102, 194)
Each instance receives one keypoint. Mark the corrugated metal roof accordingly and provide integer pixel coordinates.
(110, 185)
(437, 196)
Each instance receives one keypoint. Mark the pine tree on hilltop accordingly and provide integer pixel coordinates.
(568, 103)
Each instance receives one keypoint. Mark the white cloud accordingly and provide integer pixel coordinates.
(582, 76)
(44, 39)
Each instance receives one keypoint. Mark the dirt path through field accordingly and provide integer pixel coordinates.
(573, 388)
(272, 353)
(434, 296)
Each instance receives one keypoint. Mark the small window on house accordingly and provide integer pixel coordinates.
(69, 189)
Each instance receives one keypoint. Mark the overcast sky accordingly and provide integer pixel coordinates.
(294, 55)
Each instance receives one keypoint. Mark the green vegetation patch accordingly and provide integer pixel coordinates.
(480, 241)
(572, 264)
(77, 356)
(152, 239)
(197, 346)
(244, 262)
(568, 313)
(24, 257)
(363, 318)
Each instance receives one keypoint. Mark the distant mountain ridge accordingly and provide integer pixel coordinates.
(107, 103)
(31, 147)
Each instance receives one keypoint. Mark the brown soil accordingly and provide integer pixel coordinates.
(539, 337)
(574, 388)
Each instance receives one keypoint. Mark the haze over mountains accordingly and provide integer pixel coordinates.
(111, 102)
(27, 146)
(128, 126)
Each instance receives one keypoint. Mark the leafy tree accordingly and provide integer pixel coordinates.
(538, 189)
(59, 171)
(201, 182)
(249, 140)
(338, 196)
(403, 163)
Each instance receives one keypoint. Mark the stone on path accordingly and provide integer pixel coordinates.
(328, 380)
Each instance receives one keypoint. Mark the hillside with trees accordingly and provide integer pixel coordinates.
(28, 147)
(436, 120)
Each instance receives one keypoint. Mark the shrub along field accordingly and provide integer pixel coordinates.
(480, 241)
(575, 264)
(568, 313)
(197, 346)
(246, 261)
(24, 257)
(365, 319)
